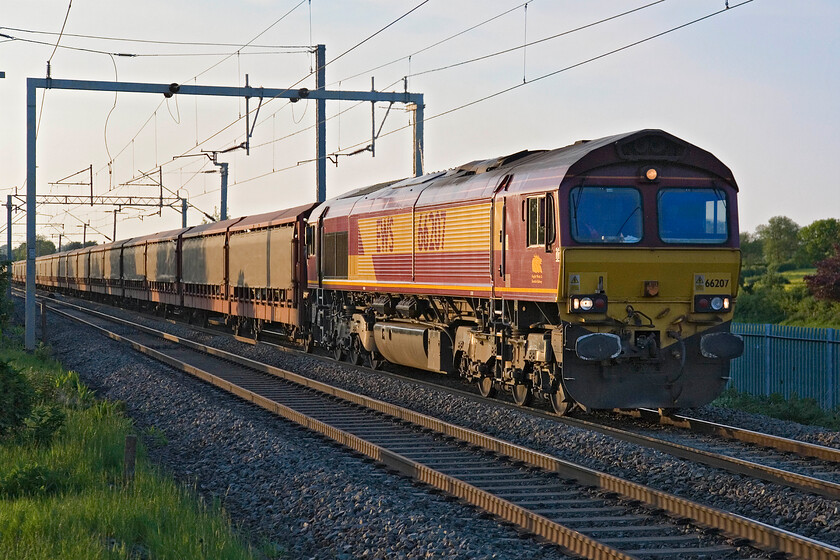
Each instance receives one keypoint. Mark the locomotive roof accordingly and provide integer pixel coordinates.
(647, 145)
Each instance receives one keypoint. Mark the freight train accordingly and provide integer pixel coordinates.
(600, 275)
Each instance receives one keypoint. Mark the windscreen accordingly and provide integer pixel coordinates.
(693, 216)
(605, 214)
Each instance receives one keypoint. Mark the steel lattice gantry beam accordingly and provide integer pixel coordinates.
(320, 95)
(81, 199)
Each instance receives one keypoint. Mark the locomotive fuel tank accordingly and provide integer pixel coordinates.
(414, 345)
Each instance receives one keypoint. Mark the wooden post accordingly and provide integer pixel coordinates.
(130, 457)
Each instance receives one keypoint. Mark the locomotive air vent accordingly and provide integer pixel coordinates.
(650, 147)
(483, 166)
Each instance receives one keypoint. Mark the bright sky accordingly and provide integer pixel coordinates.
(756, 85)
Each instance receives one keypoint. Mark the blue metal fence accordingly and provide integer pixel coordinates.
(787, 360)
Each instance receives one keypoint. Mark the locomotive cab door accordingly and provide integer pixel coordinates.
(533, 256)
(500, 273)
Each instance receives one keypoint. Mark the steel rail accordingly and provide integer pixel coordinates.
(705, 427)
(730, 524)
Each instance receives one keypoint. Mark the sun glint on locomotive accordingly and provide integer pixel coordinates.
(600, 275)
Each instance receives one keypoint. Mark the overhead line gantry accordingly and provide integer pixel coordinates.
(320, 95)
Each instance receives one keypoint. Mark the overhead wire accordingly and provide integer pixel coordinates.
(156, 42)
(63, 25)
(433, 45)
(525, 44)
(289, 88)
(536, 42)
(49, 60)
(528, 82)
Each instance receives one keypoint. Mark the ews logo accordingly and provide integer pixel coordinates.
(385, 235)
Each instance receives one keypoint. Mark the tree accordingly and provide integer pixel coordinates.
(43, 246)
(77, 245)
(752, 249)
(780, 238)
(825, 284)
(818, 239)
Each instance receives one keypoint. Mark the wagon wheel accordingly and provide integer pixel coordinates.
(522, 394)
(486, 388)
(357, 352)
(560, 403)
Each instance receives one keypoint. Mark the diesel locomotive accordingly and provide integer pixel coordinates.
(600, 275)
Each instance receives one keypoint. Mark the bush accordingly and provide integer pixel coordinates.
(44, 422)
(16, 398)
(29, 480)
(760, 305)
(794, 409)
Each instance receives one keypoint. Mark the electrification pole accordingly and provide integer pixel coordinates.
(321, 125)
(9, 243)
(224, 171)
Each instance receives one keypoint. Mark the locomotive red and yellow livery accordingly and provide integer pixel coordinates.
(600, 275)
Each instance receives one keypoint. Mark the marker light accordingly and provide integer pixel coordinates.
(651, 174)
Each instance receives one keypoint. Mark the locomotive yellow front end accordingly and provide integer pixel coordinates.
(649, 276)
(648, 328)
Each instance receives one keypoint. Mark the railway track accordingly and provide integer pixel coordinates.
(796, 464)
(589, 513)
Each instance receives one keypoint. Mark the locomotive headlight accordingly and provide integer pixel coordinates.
(586, 303)
(651, 174)
(712, 304)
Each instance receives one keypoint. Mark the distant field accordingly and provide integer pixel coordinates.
(795, 277)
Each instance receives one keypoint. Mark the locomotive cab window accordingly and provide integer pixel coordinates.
(693, 216)
(539, 213)
(605, 214)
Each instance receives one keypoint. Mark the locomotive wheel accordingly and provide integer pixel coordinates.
(356, 356)
(338, 351)
(486, 388)
(522, 394)
(559, 403)
(308, 343)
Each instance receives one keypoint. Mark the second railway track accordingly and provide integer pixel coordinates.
(615, 519)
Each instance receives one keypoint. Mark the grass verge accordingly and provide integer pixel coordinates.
(62, 493)
(795, 408)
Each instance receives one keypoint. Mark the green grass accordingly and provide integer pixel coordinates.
(67, 499)
(796, 277)
(795, 409)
